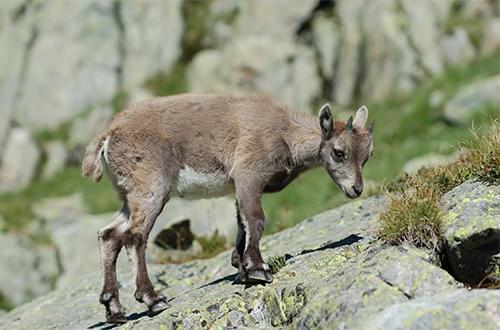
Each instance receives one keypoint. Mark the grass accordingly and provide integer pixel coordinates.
(406, 127)
(414, 214)
(16, 207)
(212, 245)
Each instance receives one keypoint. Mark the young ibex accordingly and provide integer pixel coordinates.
(200, 146)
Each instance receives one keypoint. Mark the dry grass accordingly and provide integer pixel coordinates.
(414, 215)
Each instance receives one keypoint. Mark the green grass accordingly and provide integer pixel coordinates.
(414, 215)
(16, 207)
(405, 127)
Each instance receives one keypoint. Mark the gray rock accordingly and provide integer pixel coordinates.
(469, 99)
(491, 37)
(278, 19)
(457, 48)
(28, 269)
(206, 216)
(461, 310)
(78, 249)
(59, 211)
(56, 159)
(334, 275)
(326, 36)
(429, 160)
(152, 41)
(471, 230)
(112, 47)
(424, 19)
(69, 81)
(83, 129)
(19, 161)
(261, 64)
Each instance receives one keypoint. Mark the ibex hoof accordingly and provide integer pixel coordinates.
(259, 276)
(159, 306)
(116, 318)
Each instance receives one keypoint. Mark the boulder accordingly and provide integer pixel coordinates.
(80, 60)
(78, 250)
(471, 230)
(28, 269)
(457, 48)
(206, 216)
(461, 310)
(111, 48)
(86, 127)
(19, 161)
(59, 211)
(57, 155)
(469, 99)
(151, 39)
(252, 63)
(491, 37)
(429, 160)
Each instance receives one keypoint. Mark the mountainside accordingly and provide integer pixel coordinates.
(331, 273)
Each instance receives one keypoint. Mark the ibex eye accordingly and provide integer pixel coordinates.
(339, 153)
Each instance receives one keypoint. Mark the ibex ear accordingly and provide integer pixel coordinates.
(326, 121)
(361, 117)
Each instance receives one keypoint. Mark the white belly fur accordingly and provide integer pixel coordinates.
(193, 184)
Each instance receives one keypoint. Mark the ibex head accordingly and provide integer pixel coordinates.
(345, 148)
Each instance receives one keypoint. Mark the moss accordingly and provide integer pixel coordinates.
(173, 82)
(4, 304)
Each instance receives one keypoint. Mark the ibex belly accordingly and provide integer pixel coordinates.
(192, 184)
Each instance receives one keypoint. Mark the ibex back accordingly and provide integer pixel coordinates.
(200, 146)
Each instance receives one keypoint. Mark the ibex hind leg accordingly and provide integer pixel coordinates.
(145, 205)
(110, 245)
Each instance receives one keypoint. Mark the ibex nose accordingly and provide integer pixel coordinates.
(358, 188)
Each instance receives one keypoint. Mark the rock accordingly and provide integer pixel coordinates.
(28, 269)
(59, 211)
(279, 19)
(152, 39)
(78, 249)
(333, 274)
(56, 159)
(469, 99)
(457, 48)
(206, 216)
(84, 129)
(69, 81)
(175, 244)
(471, 230)
(491, 37)
(424, 20)
(326, 36)
(429, 160)
(461, 309)
(260, 64)
(112, 47)
(19, 161)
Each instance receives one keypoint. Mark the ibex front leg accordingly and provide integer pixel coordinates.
(252, 269)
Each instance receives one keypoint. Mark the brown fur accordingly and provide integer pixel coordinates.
(188, 145)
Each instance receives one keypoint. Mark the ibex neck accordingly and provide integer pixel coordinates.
(304, 140)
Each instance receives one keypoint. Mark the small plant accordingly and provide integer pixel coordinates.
(212, 245)
(414, 214)
(276, 263)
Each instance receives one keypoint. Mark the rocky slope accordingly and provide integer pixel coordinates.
(335, 274)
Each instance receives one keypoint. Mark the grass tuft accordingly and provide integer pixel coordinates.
(276, 263)
(414, 215)
(212, 245)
